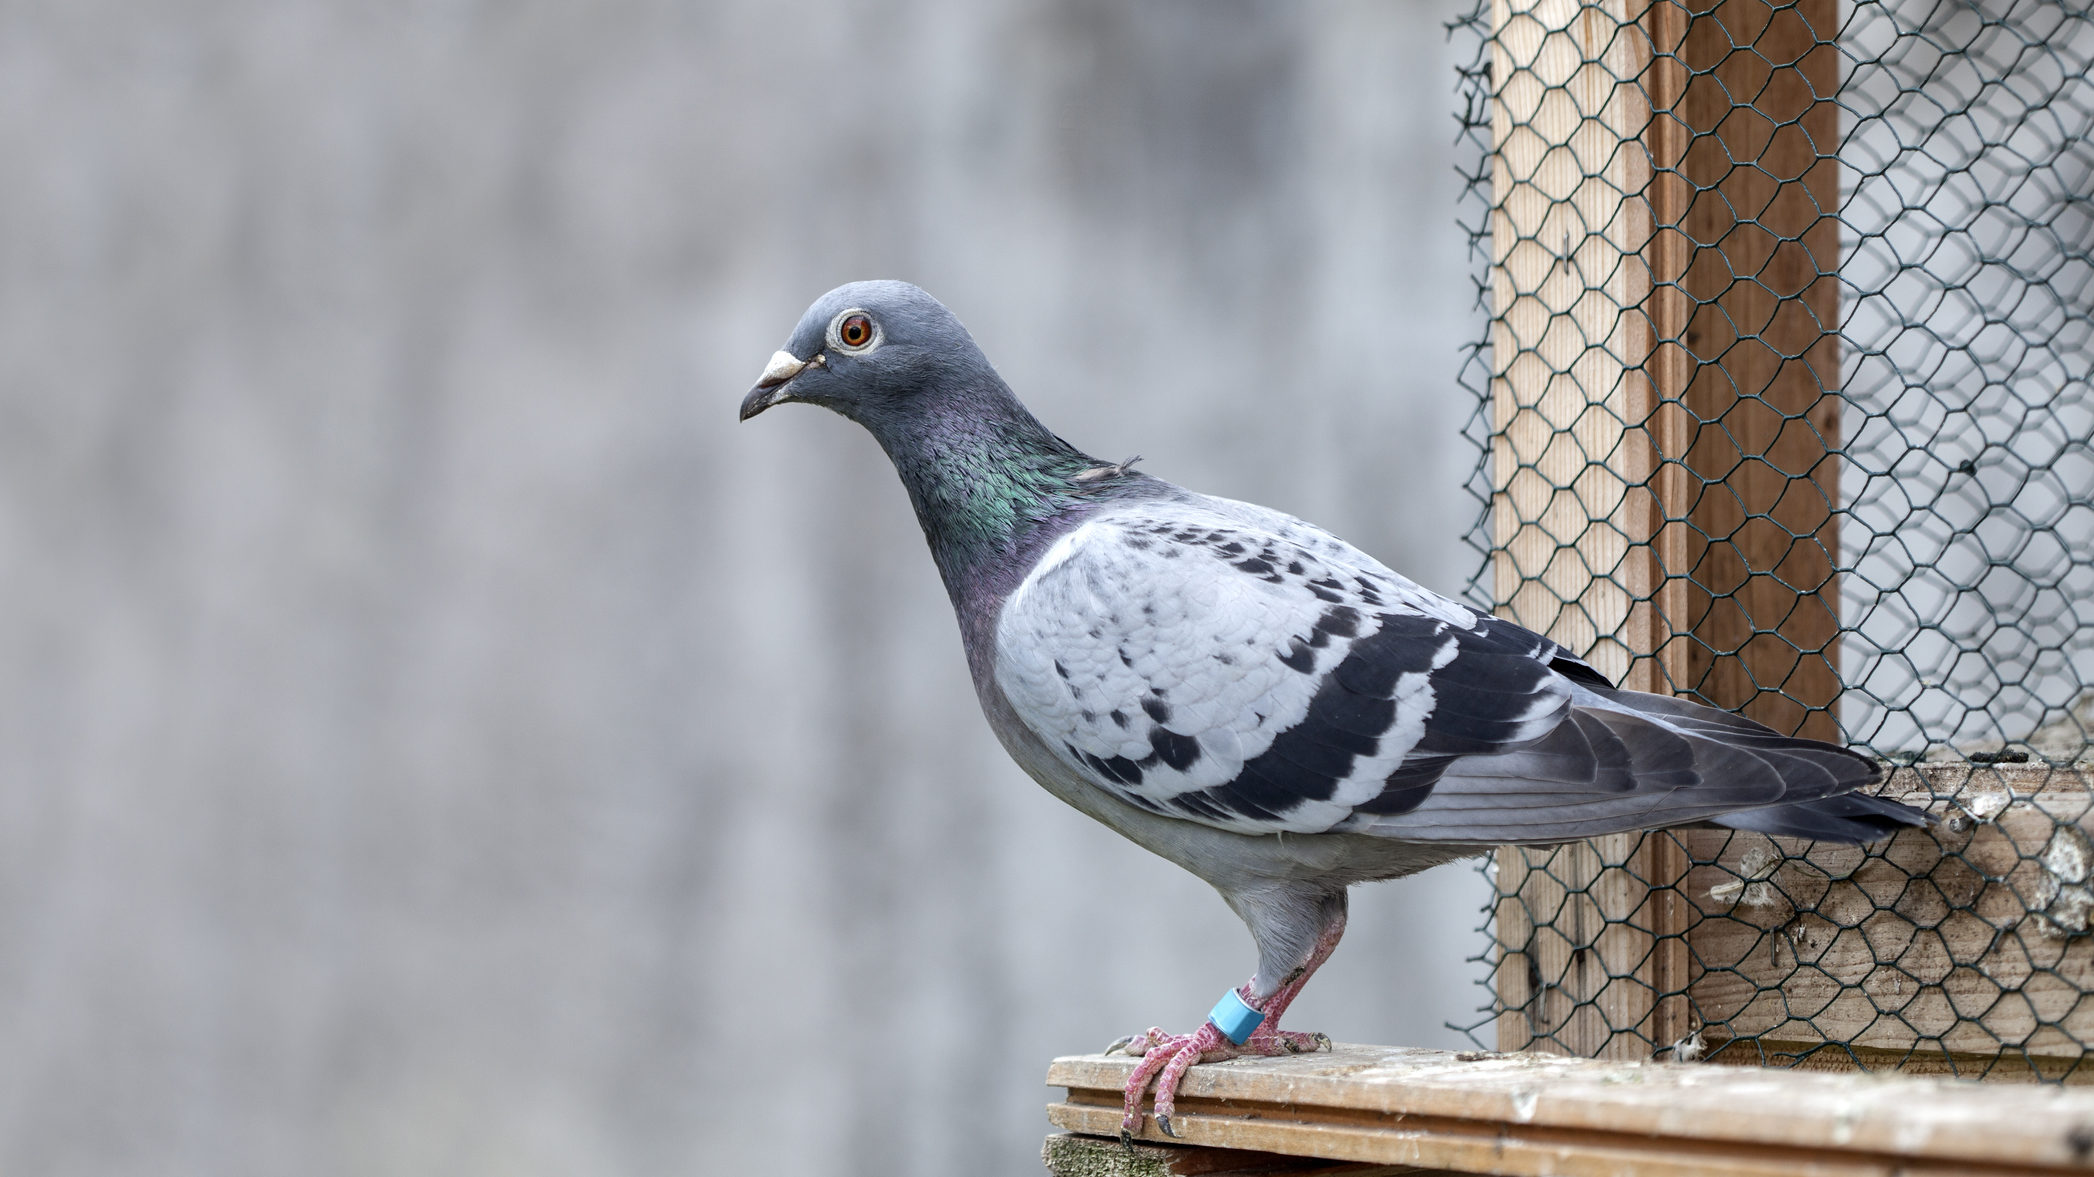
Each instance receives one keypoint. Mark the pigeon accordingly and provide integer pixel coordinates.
(1253, 698)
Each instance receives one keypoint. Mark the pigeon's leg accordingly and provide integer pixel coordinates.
(1296, 927)
(1268, 1038)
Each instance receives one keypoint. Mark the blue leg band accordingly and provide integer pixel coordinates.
(1235, 1019)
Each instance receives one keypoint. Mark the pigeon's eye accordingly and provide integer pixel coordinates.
(855, 330)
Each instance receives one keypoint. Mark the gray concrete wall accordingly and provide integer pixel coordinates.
(434, 739)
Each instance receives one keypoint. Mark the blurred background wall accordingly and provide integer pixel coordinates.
(435, 739)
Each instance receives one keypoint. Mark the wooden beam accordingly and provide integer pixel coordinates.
(1534, 1114)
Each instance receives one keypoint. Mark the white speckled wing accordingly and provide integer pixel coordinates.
(1229, 665)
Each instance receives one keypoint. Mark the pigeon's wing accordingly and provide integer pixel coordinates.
(1234, 667)
(1230, 666)
(1610, 765)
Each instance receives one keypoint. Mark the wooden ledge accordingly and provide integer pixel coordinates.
(1536, 1114)
(1068, 1155)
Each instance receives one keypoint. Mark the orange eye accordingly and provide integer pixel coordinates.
(855, 331)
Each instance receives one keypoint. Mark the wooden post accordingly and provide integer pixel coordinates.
(1745, 311)
(1590, 954)
(1664, 403)
(1568, 230)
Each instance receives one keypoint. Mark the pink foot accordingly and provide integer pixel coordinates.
(1166, 1057)
(1286, 1042)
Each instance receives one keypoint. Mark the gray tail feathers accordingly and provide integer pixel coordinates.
(1851, 817)
(1623, 760)
(1836, 814)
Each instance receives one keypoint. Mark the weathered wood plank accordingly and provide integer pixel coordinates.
(1536, 1114)
(1069, 1155)
(1963, 949)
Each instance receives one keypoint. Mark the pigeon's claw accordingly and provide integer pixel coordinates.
(1165, 1060)
(1138, 1045)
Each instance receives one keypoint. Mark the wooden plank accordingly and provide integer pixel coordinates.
(1964, 949)
(1069, 1155)
(1667, 426)
(1535, 1114)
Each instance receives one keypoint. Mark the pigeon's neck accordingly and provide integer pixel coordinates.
(990, 484)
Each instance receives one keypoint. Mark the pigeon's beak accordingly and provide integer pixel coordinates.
(770, 387)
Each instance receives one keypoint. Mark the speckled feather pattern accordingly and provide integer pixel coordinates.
(1226, 664)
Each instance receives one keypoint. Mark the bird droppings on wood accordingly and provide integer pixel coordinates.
(2064, 899)
(1986, 800)
(1750, 888)
(1689, 1049)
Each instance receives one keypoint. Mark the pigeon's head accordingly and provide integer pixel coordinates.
(874, 352)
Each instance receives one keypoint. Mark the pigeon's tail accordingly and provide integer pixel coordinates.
(1830, 811)
(1853, 817)
(1624, 760)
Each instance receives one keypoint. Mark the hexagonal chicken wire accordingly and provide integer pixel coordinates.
(1784, 404)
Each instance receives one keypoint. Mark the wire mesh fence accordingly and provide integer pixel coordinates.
(1784, 404)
